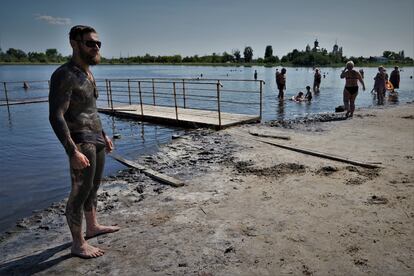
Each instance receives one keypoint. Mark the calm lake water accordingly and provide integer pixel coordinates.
(34, 169)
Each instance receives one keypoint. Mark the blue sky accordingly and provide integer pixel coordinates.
(188, 27)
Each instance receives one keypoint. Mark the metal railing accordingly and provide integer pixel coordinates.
(225, 95)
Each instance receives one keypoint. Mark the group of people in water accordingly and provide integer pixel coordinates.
(352, 77)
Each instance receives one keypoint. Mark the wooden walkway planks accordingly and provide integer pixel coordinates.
(186, 116)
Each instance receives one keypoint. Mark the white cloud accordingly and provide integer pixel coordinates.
(53, 20)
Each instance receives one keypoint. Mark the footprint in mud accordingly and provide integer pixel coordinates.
(352, 250)
(327, 170)
(275, 171)
(354, 181)
(266, 196)
(377, 200)
(361, 262)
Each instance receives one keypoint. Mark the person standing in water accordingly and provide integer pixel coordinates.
(395, 78)
(281, 83)
(379, 84)
(74, 118)
(317, 80)
(350, 93)
(255, 74)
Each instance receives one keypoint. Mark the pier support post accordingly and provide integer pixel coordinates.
(175, 102)
(153, 92)
(218, 103)
(184, 93)
(129, 92)
(140, 98)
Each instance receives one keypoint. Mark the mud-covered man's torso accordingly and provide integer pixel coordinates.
(72, 104)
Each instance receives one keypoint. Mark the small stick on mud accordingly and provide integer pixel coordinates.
(203, 210)
(269, 136)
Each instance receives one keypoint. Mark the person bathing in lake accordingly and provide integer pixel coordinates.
(317, 80)
(74, 118)
(380, 84)
(395, 78)
(299, 97)
(308, 96)
(281, 83)
(351, 77)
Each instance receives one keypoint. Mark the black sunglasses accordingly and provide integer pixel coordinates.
(91, 43)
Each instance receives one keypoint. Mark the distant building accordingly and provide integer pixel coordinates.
(336, 49)
(316, 46)
(317, 49)
(379, 59)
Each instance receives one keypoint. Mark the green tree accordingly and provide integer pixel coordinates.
(53, 55)
(16, 54)
(268, 52)
(236, 54)
(226, 57)
(248, 54)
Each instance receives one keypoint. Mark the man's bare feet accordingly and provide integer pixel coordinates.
(86, 251)
(100, 230)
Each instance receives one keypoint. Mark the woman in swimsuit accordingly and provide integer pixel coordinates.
(351, 77)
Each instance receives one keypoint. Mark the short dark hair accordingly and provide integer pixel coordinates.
(79, 30)
(308, 87)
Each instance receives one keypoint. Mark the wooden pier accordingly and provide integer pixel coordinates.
(184, 117)
(180, 102)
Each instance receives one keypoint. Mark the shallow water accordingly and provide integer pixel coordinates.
(34, 169)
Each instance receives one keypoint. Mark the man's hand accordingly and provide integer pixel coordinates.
(109, 146)
(79, 161)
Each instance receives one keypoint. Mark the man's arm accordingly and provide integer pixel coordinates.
(109, 146)
(59, 100)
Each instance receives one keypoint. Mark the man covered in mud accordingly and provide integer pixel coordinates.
(75, 121)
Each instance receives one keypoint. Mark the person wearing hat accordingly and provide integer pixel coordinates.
(395, 78)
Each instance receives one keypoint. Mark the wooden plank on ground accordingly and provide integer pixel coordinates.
(314, 153)
(269, 135)
(149, 172)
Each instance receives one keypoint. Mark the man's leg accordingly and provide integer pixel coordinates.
(93, 228)
(280, 96)
(81, 187)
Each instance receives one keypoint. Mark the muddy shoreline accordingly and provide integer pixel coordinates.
(246, 207)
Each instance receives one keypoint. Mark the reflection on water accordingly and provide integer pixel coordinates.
(281, 110)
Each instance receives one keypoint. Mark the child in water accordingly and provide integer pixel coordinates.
(299, 97)
(308, 96)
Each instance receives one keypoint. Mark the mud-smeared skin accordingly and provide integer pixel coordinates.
(72, 104)
(85, 184)
(72, 107)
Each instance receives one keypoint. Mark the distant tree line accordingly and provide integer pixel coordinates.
(296, 58)
(18, 56)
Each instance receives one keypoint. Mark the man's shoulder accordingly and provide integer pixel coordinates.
(66, 71)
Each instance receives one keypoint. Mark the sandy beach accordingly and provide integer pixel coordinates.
(249, 207)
